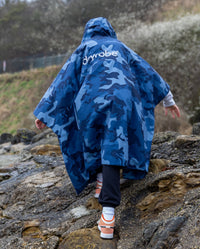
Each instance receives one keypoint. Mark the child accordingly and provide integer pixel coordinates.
(101, 106)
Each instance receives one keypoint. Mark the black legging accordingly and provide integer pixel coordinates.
(110, 195)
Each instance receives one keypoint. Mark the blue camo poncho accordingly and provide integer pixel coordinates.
(101, 106)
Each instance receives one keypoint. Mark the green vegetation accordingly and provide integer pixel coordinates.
(55, 26)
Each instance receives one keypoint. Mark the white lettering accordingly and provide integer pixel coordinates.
(85, 60)
(94, 56)
(115, 53)
(101, 54)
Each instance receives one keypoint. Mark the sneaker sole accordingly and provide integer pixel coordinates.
(105, 235)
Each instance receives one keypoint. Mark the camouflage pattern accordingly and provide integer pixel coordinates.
(101, 106)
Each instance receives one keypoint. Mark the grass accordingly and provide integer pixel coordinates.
(19, 95)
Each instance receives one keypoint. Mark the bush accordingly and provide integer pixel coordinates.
(172, 48)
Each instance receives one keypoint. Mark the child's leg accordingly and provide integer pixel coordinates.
(99, 183)
(110, 195)
(109, 198)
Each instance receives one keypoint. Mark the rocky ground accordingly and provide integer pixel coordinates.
(39, 208)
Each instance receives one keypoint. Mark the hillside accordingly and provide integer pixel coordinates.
(19, 94)
(167, 39)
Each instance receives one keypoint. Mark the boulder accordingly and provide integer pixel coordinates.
(23, 135)
(5, 138)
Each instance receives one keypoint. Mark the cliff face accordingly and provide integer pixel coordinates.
(39, 207)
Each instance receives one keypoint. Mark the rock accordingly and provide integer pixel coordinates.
(10, 242)
(24, 136)
(169, 191)
(40, 209)
(87, 238)
(41, 243)
(45, 134)
(12, 148)
(47, 149)
(45, 160)
(187, 141)
(4, 176)
(18, 148)
(162, 137)
(93, 203)
(158, 165)
(31, 229)
(8, 161)
(163, 235)
(51, 140)
(149, 231)
(196, 129)
(5, 148)
(5, 138)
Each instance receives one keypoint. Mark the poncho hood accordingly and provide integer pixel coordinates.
(98, 27)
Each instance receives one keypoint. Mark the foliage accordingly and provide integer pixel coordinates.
(52, 26)
(172, 47)
(19, 30)
(49, 27)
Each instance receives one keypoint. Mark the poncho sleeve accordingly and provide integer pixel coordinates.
(153, 87)
(55, 109)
